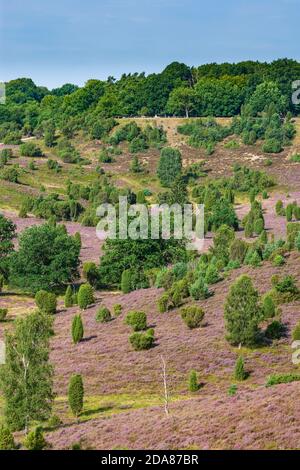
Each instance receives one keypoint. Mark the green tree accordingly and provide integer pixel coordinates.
(7, 234)
(242, 312)
(76, 394)
(46, 301)
(47, 259)
(35, 440)
(169, 166)
(181, 101)
(85, 296)
(26, 376)
(7, 441)
(77, 329)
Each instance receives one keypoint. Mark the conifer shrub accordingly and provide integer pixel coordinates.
(279, 208)
(240, 373)
(2, 280)
(76, 394)
(274, 330)
(242, 312)
(259, 226)
(285, 289)
(199, 290)
(91, 273)
(276, 379)
(249, 229)
(3, 313)
(117, 310)
(126, 283)
(7, 441)
(85, 296)
(212, 275)
(68, 297)
(293, 231)
(278, 260)
(193, 383)
(103, 315)
(77, 329)
(289, 212)
(163, 303)
(35, 440)
(46, 301)
(269, 307)
(238, 249)
(192, 316)
(137, 320)
(142, 340)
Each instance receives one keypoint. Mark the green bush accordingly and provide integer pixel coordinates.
(170, 166)
(85, 296)
(289, 212)
(193, 383)
(269, 307)
(69, 297)
(232, 390)
(46, 301)
(279, 208)
(163, 303)
(3, 313)
(258, 226)
(238, 249)
(141, 341)
(7, 441)
(103, 315)
(137, 320)
(126, 282)
(76, 394)
(91, 273)
(272, 146)
(212, 274)
(117, 310)
(192, 316)
(276, 379)
(77, 329)
(199, 290)
(35, 440)
(240, 373)
(29, 149)
(278, 261)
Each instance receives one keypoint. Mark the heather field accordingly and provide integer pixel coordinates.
(124, 397)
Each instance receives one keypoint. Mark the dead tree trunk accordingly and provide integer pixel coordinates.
(164, 377)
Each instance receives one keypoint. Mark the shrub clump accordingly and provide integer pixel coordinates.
(239, 370)
(296, 332)
(103, 315)
(85, 296)
(276, 379)
(193, 383)
(142, 341)
(192, 316)
(137, 320)
(3, 313)
(46, 301)
(7, 441)
(77, 329)
(35, 440)
(117, 310)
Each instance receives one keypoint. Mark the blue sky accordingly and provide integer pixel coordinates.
(59, 41)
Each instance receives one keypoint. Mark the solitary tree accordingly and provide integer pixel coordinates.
(69, 297)
(193, 381)
(239, 370)
(26, 376)
(242, 312)
(76, 394)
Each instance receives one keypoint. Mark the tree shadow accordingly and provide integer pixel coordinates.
(89, 338)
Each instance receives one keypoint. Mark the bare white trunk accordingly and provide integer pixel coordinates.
(164, 377)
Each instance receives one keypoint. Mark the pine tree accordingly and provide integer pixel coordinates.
(239, 370)
(77, 329)
(126, 281)
(69, 297)
(193, 381)
(76, 394)
(26, 376)
(242, 312)
(85, 296)
(35, 440)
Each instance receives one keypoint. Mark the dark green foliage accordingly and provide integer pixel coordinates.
(137, 320)
(232, 390)
(193, 383)
(77, 329)
(7, 233)
(279, 209)
(3, 314)
(91, 273)
(69, 297)
(285, 289)
(240, 373)
(163, 303)
(276, 379)
(237, 250)
(223, 238)
(293, 231)
(242, 312)
(289, 212)
(35, 440)
(141, 341)
(272, 146)
(7, 441)
(170, 166)
(26, 377)
(85, 296)
(126, 282)
(212, 275)
(47, 259)
(76, 394)
(11, 174)
(258, 226)
(103, 315)
(274, 330)
(296, 332)
(46, 301)
(192, 316)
